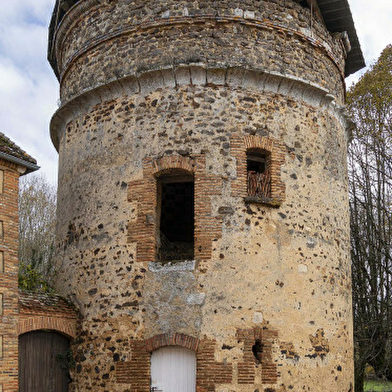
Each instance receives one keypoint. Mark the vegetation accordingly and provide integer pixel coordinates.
(378, 386)
(37, 217)
(370, 174)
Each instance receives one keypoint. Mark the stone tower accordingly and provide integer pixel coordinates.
(202, 198)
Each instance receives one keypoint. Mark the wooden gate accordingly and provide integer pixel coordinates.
(173, 369)
(42, 362)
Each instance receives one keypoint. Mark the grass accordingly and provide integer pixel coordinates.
(378, 386)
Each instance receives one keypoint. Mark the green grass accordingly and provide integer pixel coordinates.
(378, 386)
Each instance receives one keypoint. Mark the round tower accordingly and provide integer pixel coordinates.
(203, 227)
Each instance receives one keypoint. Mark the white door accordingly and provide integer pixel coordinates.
(173, 369)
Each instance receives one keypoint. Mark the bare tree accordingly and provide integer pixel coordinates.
(37, 215)
(370, 174)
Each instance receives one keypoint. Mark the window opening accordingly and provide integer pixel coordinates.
(259, 173)
(257, 350)
(176, 223)
(304, 3)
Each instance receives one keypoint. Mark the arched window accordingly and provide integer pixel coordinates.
(173, 369)
(176, 217)
(258, 173)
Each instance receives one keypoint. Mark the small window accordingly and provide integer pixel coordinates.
(176, 218)
(259, 173)
(1, 262)
(1, 181)
(1, 230)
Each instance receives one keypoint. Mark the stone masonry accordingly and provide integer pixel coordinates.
(151, 90)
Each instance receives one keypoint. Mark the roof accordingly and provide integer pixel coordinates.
(337, 17)
(46, 304)
(336, 14)
(9, 151)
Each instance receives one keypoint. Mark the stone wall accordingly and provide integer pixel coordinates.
(269, 36)
(268, 296)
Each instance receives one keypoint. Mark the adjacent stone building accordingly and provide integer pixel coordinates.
(202, 202)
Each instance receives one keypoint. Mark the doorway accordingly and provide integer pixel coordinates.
(42, 362)
(173, 369)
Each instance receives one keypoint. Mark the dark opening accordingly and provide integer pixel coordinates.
(257, 350)
(176, 228)
(259, 176)
(304, 3)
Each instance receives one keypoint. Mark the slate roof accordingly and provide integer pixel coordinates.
(45, 304)
(336, 14)
(9, 151)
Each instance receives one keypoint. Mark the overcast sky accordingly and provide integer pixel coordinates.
(29, 89)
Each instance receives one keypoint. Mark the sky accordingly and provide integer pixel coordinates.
(29, 89)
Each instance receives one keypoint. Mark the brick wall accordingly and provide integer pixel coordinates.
(19, 312)
(9, 278)
(46, 311)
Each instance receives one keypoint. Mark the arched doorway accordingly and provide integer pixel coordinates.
(173, 369)
(43, 362)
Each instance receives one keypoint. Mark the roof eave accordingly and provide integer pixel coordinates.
(338, 18)
(30, 167)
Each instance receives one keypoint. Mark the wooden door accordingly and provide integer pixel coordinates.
(40, 368)
(173, 369)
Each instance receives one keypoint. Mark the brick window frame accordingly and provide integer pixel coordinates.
(136, 372)
(142, 192)
(266, 367)
(240, 145)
